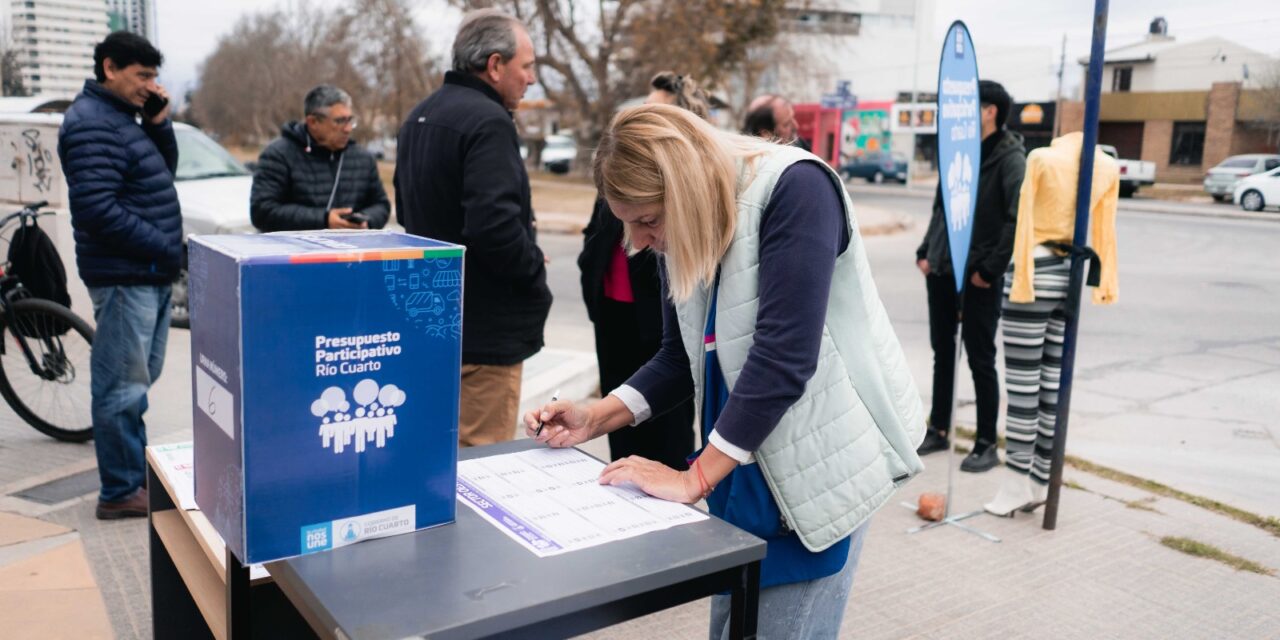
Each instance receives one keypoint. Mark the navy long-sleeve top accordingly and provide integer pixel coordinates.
(802, 232)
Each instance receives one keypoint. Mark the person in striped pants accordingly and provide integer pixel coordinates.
(1033, 334)
(1037, 282)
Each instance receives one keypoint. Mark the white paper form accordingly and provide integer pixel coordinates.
(551, 502)
(176, 465)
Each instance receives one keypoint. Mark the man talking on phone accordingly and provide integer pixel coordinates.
(119, 154)
(314, 176)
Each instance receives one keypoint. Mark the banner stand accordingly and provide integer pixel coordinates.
(960, 159)
(949, 519)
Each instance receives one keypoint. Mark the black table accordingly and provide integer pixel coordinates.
(468, 580)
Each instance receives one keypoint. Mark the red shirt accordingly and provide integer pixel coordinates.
(617, 278)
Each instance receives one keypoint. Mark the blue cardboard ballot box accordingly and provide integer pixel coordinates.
(325, 374)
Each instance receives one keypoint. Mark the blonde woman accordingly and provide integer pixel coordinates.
(773, 324)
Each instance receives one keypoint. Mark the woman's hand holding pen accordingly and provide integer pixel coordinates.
(564, 424)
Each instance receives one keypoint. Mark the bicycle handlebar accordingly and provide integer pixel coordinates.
(32, 210)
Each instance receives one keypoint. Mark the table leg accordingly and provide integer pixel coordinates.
(744, 603)
(174, 613)
(238, 622)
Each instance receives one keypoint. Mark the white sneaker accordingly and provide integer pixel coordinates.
(1014, 494)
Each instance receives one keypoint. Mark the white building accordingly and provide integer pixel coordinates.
(56, 39)
(875, 45)
(1161, 63)
(135, 16)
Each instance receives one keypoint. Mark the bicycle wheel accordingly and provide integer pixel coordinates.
(52, 393)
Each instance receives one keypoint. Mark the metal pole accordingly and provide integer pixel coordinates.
(955, 403)
(1084, 191)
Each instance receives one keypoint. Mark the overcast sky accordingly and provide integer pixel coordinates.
(188, 30)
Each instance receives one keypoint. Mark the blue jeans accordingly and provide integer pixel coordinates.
(128, 353)
(810, 610)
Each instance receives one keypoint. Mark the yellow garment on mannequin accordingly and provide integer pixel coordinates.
(1047, 213)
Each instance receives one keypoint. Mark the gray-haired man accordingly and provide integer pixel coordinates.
(314, 177)
(459, 178)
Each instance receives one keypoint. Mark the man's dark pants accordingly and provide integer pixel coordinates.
(128, 354)
(981, 318)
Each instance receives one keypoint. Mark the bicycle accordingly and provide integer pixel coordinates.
(44, 354)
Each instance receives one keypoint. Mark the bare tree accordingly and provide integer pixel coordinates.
(11, 83)
(256, 78)
(595, 56)
(386, 48)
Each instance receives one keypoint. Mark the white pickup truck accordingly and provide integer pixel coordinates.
(1133, 173)
(213, 188)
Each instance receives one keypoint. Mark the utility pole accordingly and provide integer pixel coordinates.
(1062, 67)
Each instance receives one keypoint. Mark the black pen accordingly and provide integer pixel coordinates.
(555, 396)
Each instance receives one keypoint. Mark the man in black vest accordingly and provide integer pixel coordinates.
(459, 178)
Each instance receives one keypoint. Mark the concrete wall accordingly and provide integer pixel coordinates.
(1202, 63)
(1189, 67)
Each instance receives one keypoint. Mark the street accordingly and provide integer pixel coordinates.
(1158, 396)
(1175, 383)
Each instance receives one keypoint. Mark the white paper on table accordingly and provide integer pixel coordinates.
(176, 464)
(550, 501)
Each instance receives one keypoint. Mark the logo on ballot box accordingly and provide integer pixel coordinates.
(316, 538)
(372, 421)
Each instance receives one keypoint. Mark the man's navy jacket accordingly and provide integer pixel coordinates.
(124, 208)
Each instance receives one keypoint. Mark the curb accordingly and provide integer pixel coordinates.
(1227, 212)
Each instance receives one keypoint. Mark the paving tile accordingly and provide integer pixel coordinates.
(15, 529)
(52, 595)
(63, 567)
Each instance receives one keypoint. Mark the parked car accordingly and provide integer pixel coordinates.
(213, 187)
(558, 154)
(877, 166)
(1133, 173)
(1220, 181)
(1258, 191)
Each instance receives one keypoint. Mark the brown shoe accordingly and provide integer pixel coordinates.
(134, 506)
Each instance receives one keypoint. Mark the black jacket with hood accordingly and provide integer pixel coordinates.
(995, 217)
(295, 176)
(459, 178)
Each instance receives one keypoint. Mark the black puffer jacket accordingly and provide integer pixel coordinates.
(291, 185)
(459, 178)
(995, 216)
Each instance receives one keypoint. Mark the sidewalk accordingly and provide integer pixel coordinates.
(1102, 574)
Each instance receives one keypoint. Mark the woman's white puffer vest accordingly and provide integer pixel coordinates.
(841, 450)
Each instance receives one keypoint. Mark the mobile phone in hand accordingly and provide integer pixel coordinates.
(154, 105)
(356, 217)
